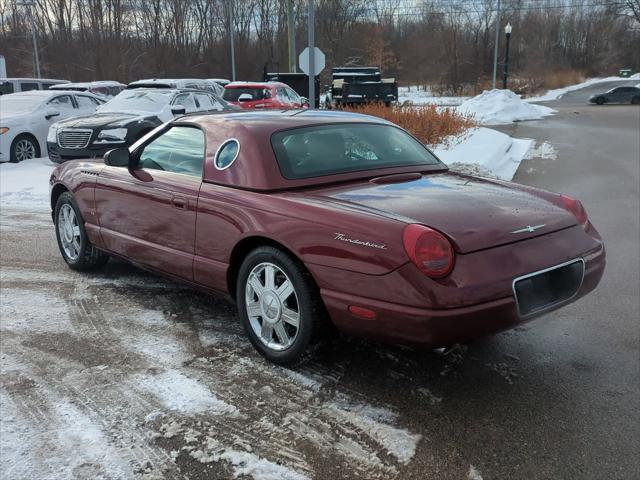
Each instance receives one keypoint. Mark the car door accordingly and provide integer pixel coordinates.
(148, 213)
(61, 104)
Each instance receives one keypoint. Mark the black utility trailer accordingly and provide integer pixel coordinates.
(354, 85)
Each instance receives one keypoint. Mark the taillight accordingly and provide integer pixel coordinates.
(429, 250)
(575, 207)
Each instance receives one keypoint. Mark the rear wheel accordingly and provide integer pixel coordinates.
(24, 147)
(74, 244)
(635, 100)
(279, 306)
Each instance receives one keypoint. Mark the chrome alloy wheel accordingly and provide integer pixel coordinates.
(69, 231)
(272, 306)
(25, 149)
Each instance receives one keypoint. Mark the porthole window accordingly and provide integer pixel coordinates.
(227, 154)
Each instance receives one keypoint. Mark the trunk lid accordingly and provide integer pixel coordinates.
(474, 213)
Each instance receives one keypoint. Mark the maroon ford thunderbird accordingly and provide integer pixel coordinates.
(306, 218)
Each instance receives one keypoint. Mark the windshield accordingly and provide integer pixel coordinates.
(233, 94)
(10, 104)
(138, 100)
(332, 149)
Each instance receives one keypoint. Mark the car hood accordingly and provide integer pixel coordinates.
(474, 213)
(98, 120)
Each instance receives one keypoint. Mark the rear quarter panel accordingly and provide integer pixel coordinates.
(226, 216)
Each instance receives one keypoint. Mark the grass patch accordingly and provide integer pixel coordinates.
(429, 124)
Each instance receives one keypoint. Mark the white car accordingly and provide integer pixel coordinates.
(25, 119)
(104, 88)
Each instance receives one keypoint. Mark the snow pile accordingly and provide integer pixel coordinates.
(26, 184)
(493, 107)
(559, 92)
(486, 152)
(414, 96)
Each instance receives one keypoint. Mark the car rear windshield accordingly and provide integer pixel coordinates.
(233, 94)
(316, 151)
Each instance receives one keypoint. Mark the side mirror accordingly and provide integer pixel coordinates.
(178, 110)
(245, 97)
(304, 101)
(49, 114)
(118, 157)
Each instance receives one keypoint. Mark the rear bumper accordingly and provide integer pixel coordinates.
(410, 325)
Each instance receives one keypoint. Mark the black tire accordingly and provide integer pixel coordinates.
(635, 101)
(312, 327)
(21, 144)
(600, 100)
(88, 256)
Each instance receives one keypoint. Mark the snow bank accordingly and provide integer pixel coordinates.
(559, 92)
(485, 151)
(425, 97)
(493, 107)
(26, 184)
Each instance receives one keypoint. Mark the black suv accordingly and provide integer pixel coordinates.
(124, 119)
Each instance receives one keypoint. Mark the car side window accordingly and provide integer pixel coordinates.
(207, 102)
(86, 103)
(282, 95)
(26, 86)
(186, 100)
(293, 96)
(62, 102)
(179, 150)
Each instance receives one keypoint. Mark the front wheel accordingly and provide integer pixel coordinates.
(600, 100)
(279, 306)
(24, 147)
(74, 244)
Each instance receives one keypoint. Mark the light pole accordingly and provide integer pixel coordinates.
(36, 60)
(233, 52)
(507, 32)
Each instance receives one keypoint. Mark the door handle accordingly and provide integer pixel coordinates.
(179, 202)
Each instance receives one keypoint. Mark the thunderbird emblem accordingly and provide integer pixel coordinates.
(528, 229)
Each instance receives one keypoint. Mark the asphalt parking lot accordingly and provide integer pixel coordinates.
(119, 374)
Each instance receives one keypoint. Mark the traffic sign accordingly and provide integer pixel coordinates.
(319, 61)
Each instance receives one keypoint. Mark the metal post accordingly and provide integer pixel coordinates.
(506, 62)
(36, 58)
(312, 47)
(291, 34)
(495, 48)
(233, 53)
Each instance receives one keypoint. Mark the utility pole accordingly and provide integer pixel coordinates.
(311, 26)
(495, 48)
(36, 59)
(291, 33)
(233, 53)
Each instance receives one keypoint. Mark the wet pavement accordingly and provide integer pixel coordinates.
(120, 374)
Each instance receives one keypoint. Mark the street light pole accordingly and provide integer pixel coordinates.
(507, 32)
(291, 36)
(36, 59)
(311, 25)
(495, 48)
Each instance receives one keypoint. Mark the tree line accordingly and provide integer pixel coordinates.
(449, 43)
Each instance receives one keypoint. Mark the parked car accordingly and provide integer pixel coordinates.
(298, 81)
(263, 95)
(309, 217)
(617, 95)
(15, 85)
(25, 118)
(192, 83)
(106, 88)
(220, 81)
(124, 119)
